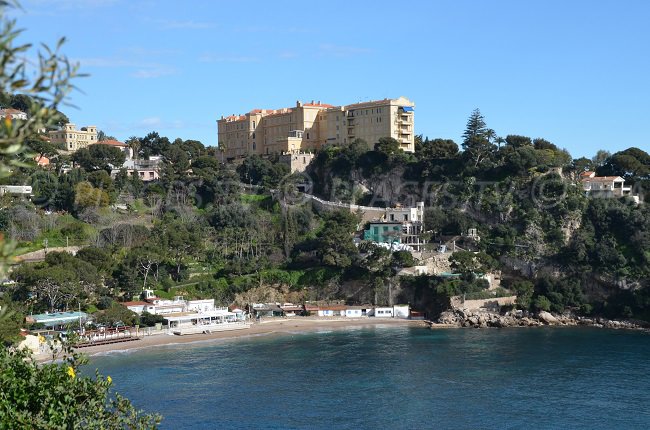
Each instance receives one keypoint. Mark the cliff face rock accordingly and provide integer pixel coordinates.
(547, 318)
(481, 319)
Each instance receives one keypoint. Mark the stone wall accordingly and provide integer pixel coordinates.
(494, 304)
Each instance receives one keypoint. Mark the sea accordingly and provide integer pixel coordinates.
(388, 377)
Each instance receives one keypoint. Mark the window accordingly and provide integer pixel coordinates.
(253, 135)
(392, 217)
(406, 217)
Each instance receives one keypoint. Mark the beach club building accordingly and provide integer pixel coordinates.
(157, 306)
(58, 320)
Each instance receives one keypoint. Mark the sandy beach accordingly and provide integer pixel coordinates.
(274, 326)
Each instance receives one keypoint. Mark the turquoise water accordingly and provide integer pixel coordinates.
(396, 378)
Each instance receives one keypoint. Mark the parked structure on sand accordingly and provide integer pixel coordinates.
(309, 126)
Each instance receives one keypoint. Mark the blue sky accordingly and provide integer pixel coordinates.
(574, 72)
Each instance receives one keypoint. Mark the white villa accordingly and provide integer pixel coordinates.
(611, 187)
(157, 306)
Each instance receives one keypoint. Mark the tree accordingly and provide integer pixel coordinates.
(600, 157)
(476, 144)
(631, 164)
(259, 171)
(334, 245)
(467, 262)
(87, 196)
(53, 395)
(152, 144)
(42, 147)
(183, 240)
(387, 146)
(517, 141)
(99, 157)
(524, 291)
(542, 303)
(101, 136)
(438, 149)
(175, 165)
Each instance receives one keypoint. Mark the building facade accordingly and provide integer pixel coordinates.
(606, 186)
(12, 114)
(399, 225)
(74, 139)
(310, 126)
(297, 161)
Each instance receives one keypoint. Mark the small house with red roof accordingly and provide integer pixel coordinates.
(612, 187)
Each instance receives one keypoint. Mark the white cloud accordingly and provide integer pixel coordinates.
(287, 55)
(154, 72)
(190, 24)
(341, 51)
(212, 58)
(143, 70)
(153, 121)
(49, 7)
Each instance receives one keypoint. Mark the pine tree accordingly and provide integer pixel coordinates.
(476, 138)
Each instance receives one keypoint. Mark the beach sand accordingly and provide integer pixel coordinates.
(270, 326)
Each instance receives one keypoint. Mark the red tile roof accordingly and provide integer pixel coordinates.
(603, 179)
(42, 160)
(135, 303)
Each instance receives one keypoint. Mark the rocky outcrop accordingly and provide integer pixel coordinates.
(482, 318)
(547, 318)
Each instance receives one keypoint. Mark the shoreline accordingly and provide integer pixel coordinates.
(281, 326)
(290, 326)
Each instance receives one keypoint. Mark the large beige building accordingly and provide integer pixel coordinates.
(74, 139)
(309, 126)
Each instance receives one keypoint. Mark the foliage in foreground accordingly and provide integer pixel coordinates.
(49, 396)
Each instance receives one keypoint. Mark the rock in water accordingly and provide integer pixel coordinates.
(547, 318)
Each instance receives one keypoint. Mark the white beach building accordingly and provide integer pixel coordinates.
(206, 322)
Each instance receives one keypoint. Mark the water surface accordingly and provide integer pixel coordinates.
(395, 377)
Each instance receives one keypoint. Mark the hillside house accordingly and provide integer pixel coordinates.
(611, 187)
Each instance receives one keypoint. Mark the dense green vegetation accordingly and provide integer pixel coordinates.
(52, 395)
(557, 247)
(198, 232)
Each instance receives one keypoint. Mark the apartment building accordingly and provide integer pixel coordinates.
(310, 126)
(74, 139)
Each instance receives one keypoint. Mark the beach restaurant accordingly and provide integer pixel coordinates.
(58, 320)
